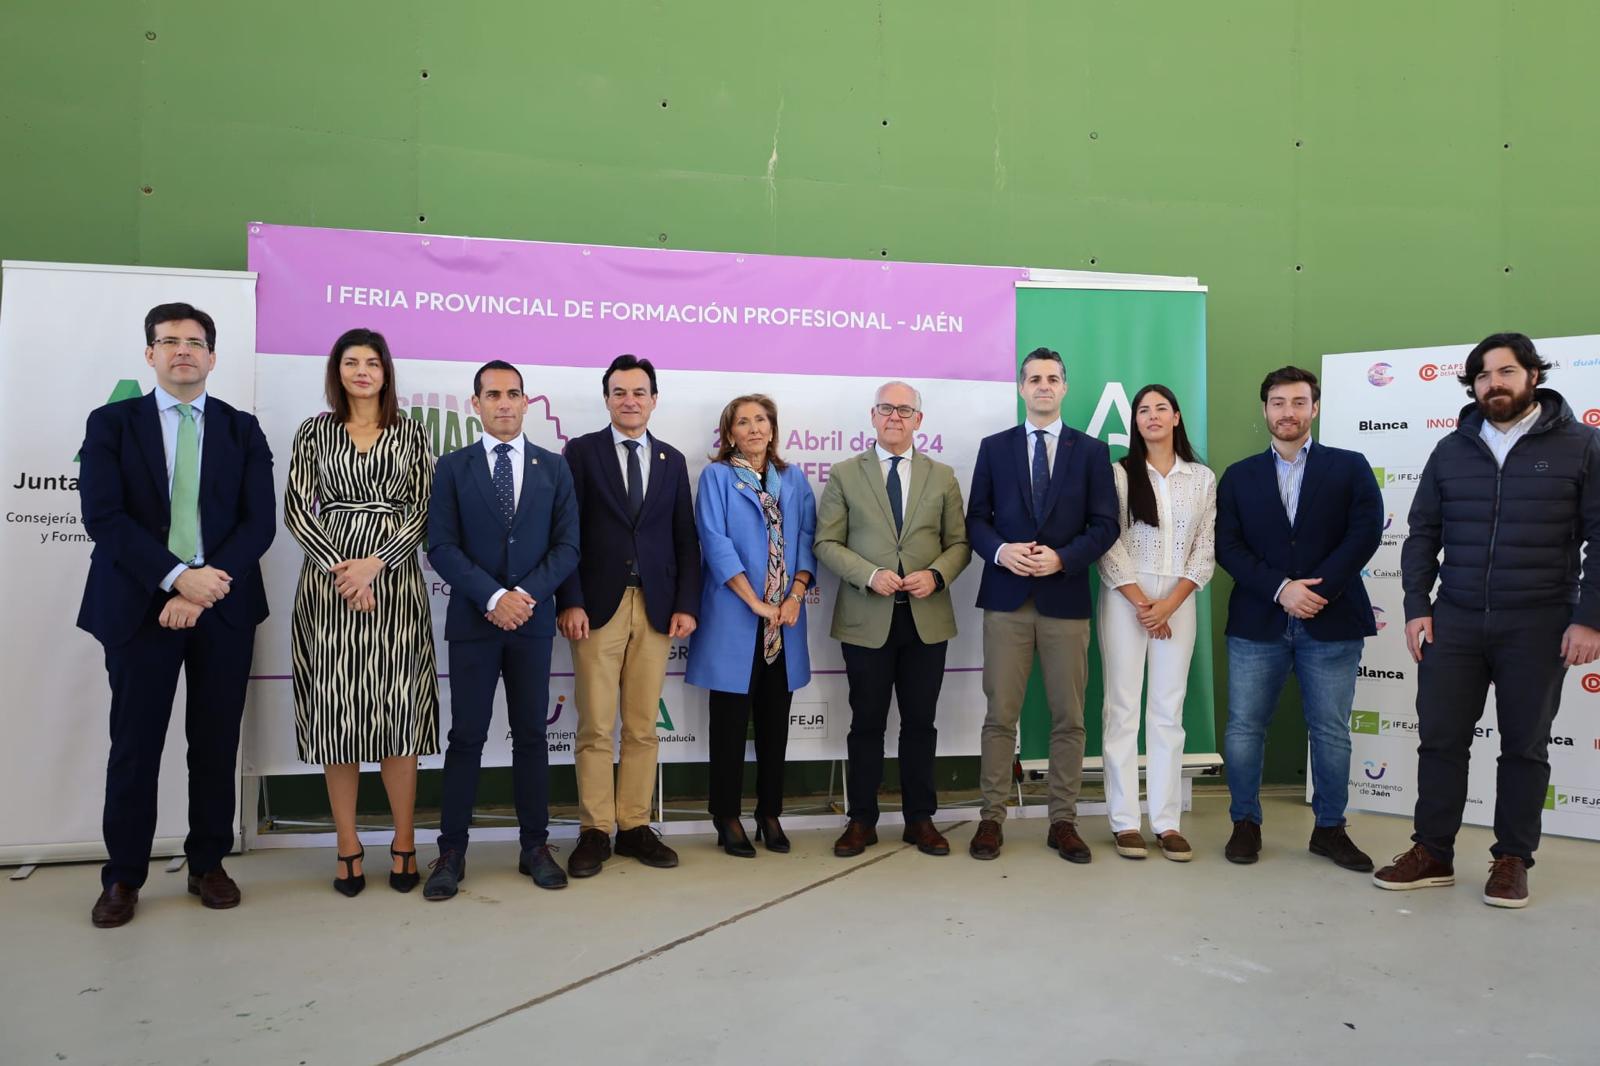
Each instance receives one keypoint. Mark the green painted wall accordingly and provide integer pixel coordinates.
(1344, 176)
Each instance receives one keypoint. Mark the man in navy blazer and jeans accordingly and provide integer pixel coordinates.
(1043, 510)
(177, 493)
(1295, 525)
(503, 531)
(635, 591)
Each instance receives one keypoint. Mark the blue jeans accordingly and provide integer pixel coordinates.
(1257, 670)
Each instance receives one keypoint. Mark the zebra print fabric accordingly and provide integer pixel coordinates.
(365, 682)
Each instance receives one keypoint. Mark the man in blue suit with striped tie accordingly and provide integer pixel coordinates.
(503, 531)
(1043, 510)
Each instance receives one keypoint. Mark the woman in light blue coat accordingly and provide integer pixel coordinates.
(757, 516)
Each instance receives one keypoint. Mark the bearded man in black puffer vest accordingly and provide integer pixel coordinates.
(1511, 496)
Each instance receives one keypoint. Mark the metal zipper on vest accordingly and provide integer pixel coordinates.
(1494, 532)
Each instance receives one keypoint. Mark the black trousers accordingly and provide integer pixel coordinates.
(767, 703)
(913, 673)
(215, 661)
(1520, 653)
(476, 667)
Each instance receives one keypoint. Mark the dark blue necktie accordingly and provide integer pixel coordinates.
(1041, 475)
(893, 485)
(635, 481)
(505, 490)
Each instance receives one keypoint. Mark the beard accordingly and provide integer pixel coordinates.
(1504, 405)
(1288, 432)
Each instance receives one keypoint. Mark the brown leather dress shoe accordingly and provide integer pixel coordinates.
(855, 839)
(643, 842)
(1174, 847)
(1065, 839)
(115, 906)
(594, 848)
(215, 889)
(986, 842)
(1131, 845)
(927, 839)
(1508, 883)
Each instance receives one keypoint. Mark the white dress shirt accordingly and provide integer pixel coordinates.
(905, 483)
(1501, 443)
(515, 456)
(1052, 437)
(167, 410)
(643, 439)
(1184, 545)
(1291, 474)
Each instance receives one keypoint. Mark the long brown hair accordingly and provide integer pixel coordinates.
(726, 449)
(333, 386)
(1141, 494)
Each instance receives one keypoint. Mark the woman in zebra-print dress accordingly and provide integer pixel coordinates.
(365, 682)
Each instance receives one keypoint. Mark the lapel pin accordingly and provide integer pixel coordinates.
(662, 456)
(532, 461)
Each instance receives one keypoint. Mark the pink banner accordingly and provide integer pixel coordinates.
(537, 303)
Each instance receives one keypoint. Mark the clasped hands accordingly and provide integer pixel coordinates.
(1154, 614)
(1030, 559)
(194, 591)
(1299, 601)
(918, 584)
(353, 578)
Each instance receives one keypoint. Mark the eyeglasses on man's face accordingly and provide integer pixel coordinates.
(188, 344)
(904, 410)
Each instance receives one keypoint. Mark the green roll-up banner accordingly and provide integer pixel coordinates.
(1115, 341)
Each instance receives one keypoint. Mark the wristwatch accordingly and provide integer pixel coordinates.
(938, 580)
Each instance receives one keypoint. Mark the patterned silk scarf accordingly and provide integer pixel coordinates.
(777, 578)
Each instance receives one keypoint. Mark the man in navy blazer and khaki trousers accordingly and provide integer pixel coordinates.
(1043, 510)
(503, 531)
(177, 493)
(636, 590)
(1295, 525)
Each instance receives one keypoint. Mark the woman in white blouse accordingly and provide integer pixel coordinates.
(1167, 502)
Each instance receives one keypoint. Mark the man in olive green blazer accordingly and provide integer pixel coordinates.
(892, 526)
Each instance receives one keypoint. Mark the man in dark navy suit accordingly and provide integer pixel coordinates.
(1043, 510)
(176, 489)
(636, 590)
(503, 531)
(1295, 525)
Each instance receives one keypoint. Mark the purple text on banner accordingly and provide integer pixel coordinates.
(475, 299)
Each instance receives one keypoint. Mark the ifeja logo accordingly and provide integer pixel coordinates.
(1373, 724)
(1571, 800)
(450, 422)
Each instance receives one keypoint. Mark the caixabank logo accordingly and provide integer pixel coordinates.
(451, 423)
(1572, 800)
(1379, 724)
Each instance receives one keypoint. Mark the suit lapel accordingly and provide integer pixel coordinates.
(656, 486)
(1308, 482)
(213, 449)
(1268, 466)
(147, 431)
(478, 474)
(921, 471)
(530, 471)
(877, 484)
(611, 471)
(1019, 454)
(1058, 470)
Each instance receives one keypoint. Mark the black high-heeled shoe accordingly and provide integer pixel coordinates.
(352, 883)
(731, 839)
(773, 832)
(408, 878)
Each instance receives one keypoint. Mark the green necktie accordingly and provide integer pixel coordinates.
(183, 538)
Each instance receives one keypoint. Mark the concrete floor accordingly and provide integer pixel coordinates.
(894, 957)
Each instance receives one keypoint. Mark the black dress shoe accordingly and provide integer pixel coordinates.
(408, 879)
(1334, 843)
(351, 883)
(1244, 847)
(594, 848)
(115, 906)
(539, 864)
(769, 831)
(449, 870)
(643, 842)
(731, 838)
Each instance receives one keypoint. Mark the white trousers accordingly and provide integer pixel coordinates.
(1127, 654)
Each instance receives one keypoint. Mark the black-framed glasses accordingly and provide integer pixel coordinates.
(904, 410)
(172, 344)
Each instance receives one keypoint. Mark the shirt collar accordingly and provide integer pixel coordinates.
(516, 445)
(1305, 450)
(1523, 423)
(1179, 466)
(617, 437)
(1053, 429)
(885, 456)
(165, 401)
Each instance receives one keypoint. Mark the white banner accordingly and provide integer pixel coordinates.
(1394, 406)
(822, 420)
(71, 339)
